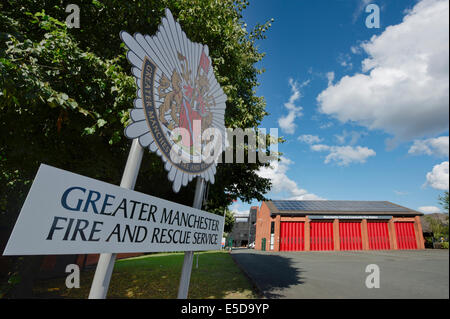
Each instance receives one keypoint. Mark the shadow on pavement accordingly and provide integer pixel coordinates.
(268, 272)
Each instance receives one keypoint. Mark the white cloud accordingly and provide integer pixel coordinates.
(352, 137)
(438, 177)
(235, 209)
(320, 147)
(330, 78)
(355, 49)
(281, 183)
(344, 155)
(429, 209)
(286, 122)
(400, 193)
(326, 125)
(345, 61)
(404, 89)
(433, 146)
(309, 139)
(362, 4)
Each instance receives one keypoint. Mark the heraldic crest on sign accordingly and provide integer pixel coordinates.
(178, 100)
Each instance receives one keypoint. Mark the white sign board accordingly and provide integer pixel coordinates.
(66, 213)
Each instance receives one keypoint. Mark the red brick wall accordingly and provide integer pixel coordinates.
(264, 219)
(263, 226)
(365, 235)
(417, 228)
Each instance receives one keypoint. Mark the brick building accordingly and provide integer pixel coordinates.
(252, 224)
(286, 225)
(244, 229)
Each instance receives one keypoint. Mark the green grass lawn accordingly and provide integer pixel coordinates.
(158, 275)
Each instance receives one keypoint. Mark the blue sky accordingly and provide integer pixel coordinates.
(364, 111)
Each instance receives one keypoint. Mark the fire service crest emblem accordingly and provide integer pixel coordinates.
(180, 107)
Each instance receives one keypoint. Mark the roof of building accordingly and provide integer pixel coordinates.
(347, 207)
(241, 214)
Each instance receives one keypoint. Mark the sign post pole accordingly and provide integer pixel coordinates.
(105, 264)
(189, 255)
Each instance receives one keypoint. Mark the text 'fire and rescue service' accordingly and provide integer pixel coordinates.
(66, 213)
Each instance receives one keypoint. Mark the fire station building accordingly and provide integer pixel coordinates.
(296, 225)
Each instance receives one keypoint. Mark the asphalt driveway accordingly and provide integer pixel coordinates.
(403, 274)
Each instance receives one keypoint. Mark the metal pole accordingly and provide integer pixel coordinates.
(105, 264)
(248, 221)
(183, 289)
(223, 228)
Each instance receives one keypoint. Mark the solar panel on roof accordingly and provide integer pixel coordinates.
(348, 206)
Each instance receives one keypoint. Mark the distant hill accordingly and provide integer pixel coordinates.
(439, 216)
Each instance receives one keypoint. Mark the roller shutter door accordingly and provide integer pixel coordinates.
(321, 235)
(292, 236)
(378, 233)
(350, 235)
(406, 235)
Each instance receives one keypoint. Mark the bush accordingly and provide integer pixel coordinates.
(444, 245)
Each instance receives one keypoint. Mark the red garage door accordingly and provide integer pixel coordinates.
(350, 235)
(292, 236)
(378, 234)
(321, 235)
(406, 236)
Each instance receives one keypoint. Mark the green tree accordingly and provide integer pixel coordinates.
(229, 218)
(65, 94)
(438, 227)
(443, 201)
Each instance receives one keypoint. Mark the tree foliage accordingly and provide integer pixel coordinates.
(438, 227)
(443, 201)
(229, 218)
(65, 94)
